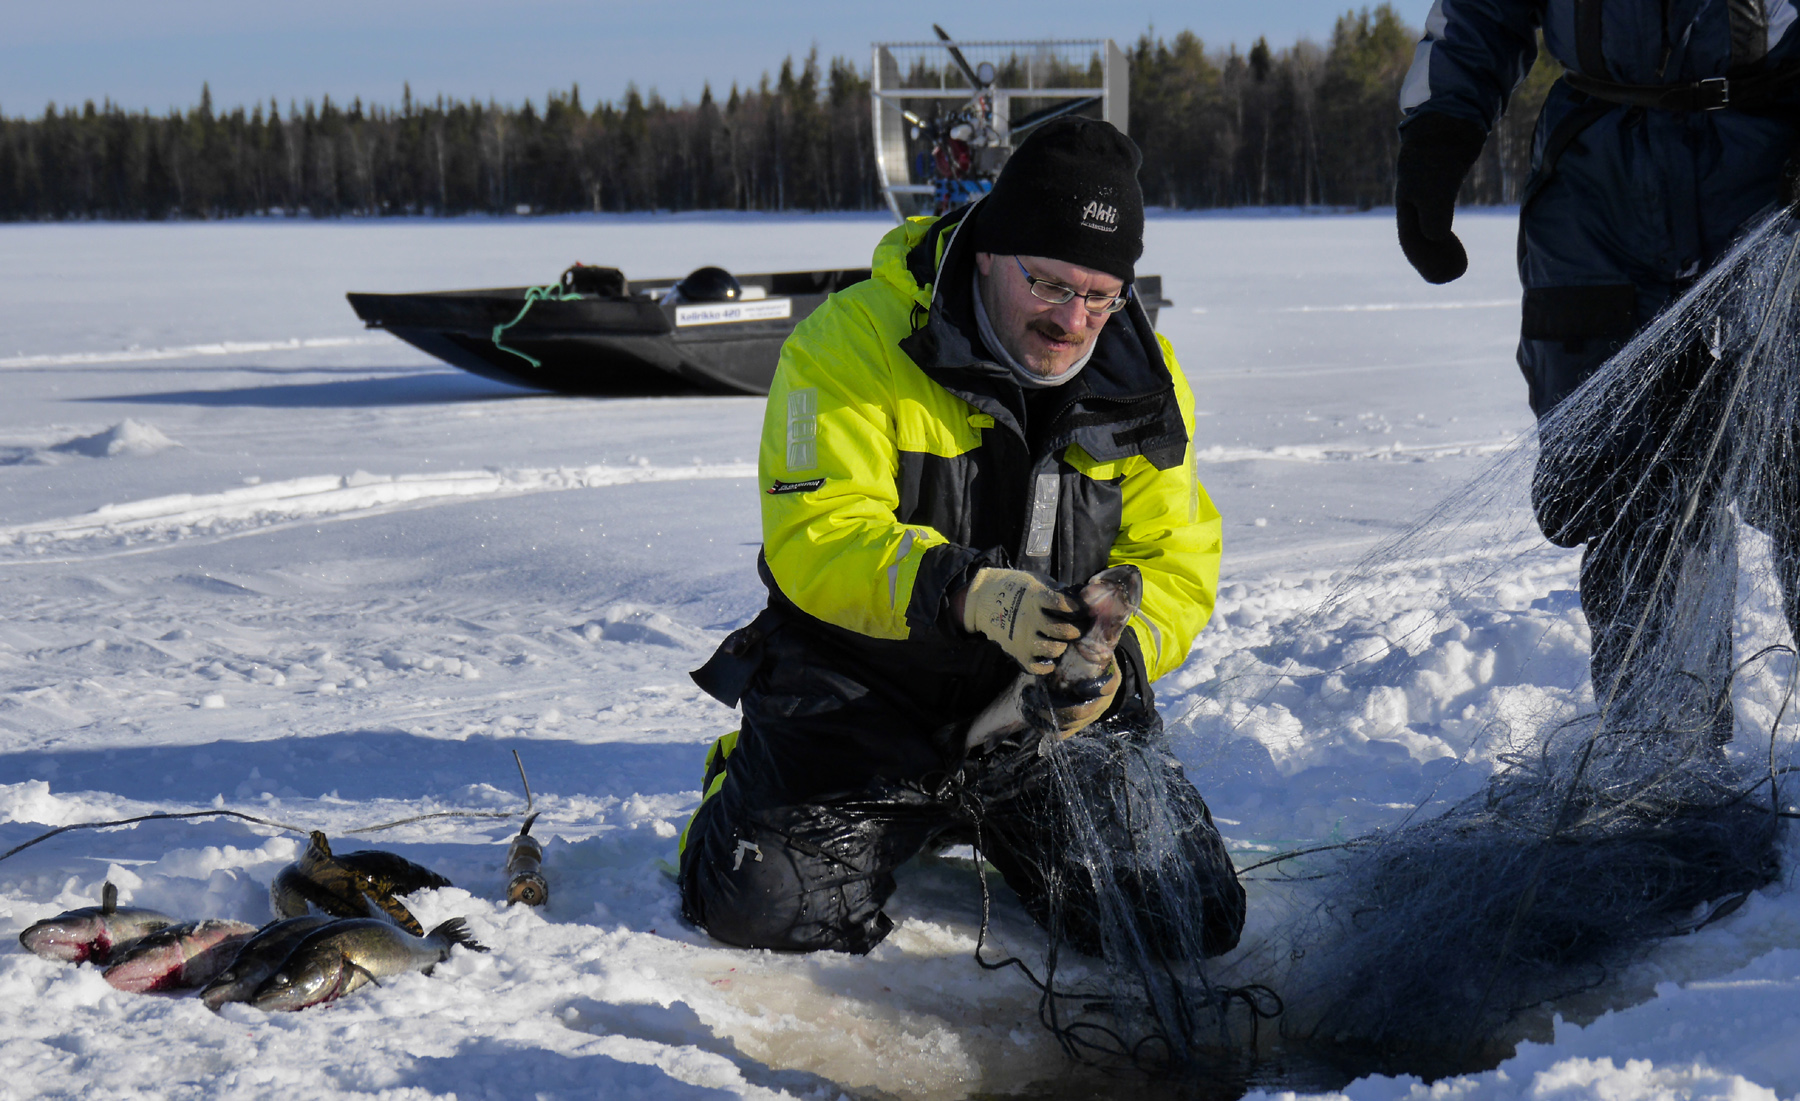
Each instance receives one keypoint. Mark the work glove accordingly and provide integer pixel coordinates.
(1073, 718)
(1029, 619)
(1436, 152)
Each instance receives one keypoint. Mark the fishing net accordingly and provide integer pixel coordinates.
(1568, 821)
(1140, 897)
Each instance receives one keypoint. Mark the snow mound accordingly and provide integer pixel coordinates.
(31, 801)
(128, 437)
(636, 623)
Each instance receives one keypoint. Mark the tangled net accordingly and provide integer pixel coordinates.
(1122, 806)
(1644, 804)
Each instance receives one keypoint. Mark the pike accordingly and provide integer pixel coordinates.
(258, 958)
(91, 932)
(347, 955)
(523, 859)
(357, 884)
(177, 957)
(1110, 598)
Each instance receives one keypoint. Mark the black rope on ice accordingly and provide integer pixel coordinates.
(165, 815)
(147, 818)
(288, 826)
(434, 814)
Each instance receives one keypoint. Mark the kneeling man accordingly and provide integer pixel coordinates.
(950, 447)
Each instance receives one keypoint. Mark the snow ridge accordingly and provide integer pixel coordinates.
(190, 351)
(252, 506)
(1393, 452)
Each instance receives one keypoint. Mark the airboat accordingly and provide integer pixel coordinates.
(946, 116)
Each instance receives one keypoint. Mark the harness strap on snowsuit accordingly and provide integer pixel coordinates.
(1589, 52)
(1749, 21)
(1752, 94)
(1711, 94)
(1561, 137)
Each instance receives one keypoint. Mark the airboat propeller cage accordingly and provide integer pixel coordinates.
(1036, 81)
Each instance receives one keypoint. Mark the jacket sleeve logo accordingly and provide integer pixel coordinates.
(802, 430)
(796, 487)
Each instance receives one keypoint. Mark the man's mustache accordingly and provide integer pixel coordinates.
(1052, 331)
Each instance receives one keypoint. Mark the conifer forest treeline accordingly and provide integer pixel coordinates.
(1309, 124)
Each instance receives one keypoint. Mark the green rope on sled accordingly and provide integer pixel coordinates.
(533, 295)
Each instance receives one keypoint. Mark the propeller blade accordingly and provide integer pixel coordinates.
(962, 62)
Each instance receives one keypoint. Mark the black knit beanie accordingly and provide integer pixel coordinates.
(1069, 192)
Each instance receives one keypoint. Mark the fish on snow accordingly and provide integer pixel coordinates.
(356, 884)
(345, 956)
(92, 932)
(524, 859)
(178, 957)
(258, 957)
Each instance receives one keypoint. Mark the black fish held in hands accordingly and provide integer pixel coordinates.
(1109, 600)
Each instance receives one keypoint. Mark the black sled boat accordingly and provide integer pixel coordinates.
(596, 333)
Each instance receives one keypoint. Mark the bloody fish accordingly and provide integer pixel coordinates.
(178, 957)
(92, 932)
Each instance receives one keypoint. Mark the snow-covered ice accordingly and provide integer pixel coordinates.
(255, 558)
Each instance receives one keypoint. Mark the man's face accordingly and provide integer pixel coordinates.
(1047, 340)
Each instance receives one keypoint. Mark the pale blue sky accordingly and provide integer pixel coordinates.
(151, 54)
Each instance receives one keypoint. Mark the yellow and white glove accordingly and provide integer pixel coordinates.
(1075, 718)
(1025, 616)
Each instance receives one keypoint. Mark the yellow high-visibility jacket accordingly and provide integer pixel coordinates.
(896, 460)
(852, 411)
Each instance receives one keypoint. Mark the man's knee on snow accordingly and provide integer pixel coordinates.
(1150, 862)
(1192, 904)
(750, 887)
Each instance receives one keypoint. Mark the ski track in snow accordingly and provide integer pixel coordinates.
(1394, 452)
(192, 351)
(266, 505)
(1379, 307)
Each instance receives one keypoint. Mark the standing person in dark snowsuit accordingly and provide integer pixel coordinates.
(1669, 130)
(987, 419)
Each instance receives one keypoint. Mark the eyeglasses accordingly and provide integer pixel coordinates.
(1056, 294)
